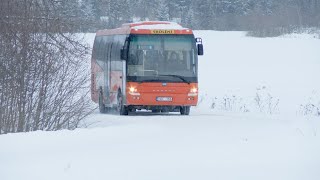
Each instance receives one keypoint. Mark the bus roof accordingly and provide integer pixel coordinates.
(147, 27)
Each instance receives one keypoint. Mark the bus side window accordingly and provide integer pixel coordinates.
(119, 62)
(95, 48)
(118, 47)
(101, 49)
(105, 49)
(99, 54)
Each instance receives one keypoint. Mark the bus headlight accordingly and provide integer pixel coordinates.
(133, 91)
(193, 92)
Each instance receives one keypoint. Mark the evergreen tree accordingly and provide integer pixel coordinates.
(115, 13)
(204, 14)
(162, 10)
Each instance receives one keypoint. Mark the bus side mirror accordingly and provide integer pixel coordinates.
(124, 50)
(124, 54)
(199, 46)
(200, 49)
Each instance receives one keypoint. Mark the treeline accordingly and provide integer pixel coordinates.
(248, 15)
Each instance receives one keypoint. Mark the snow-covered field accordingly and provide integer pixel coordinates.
(228, 136)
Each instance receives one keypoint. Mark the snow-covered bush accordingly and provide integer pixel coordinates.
(261, 102)
(311, 106)
(265, 102)
(310, 109)
(231, 103)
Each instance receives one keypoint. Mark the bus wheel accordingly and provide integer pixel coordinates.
(185, 110)
(122, 109)
(102, 107)
(156, 110)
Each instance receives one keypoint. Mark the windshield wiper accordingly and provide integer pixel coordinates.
(177, 76)
(151, 80)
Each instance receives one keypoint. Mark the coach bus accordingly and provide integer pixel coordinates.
(149, 65)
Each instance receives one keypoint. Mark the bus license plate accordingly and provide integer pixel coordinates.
(164, 98)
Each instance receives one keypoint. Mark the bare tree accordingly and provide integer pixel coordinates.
(43, 76)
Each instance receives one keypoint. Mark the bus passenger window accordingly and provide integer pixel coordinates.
(132, 59)
(174, 59)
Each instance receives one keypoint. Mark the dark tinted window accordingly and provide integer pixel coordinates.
(153, 55)
(95, 48)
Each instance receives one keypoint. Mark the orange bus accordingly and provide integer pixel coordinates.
(149, 65)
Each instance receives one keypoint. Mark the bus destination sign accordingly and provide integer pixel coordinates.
(162, 31)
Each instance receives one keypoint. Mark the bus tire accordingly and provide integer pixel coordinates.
(122, 109)
(155, 110)
(185, 110)
(102, 107)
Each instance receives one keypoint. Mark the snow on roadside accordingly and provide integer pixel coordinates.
(238, 65)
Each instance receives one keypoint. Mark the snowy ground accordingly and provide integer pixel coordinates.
(237, 65)
(212, 143)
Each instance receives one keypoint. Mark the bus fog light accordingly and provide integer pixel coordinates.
(192, 94)
(136, 97)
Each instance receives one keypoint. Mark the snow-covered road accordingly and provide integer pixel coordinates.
(144, 146)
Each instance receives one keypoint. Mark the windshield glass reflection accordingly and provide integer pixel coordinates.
(162, 56)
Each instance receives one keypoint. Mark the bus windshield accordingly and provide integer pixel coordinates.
(162, 57)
